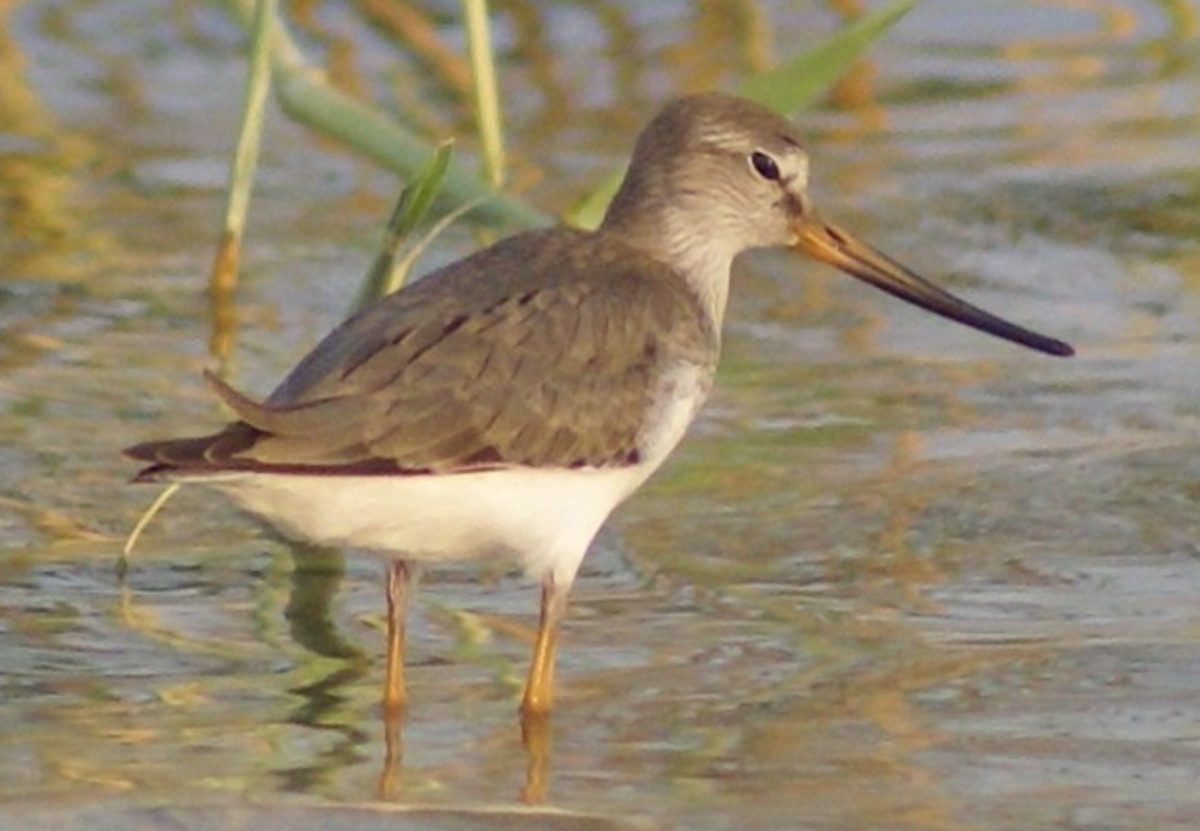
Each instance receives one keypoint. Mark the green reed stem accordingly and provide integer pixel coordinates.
(487, 95)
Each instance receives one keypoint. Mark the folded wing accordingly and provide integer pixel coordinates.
(501, 360)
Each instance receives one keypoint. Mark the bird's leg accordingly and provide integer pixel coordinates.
(393, 754)
(536, 736)
(539, 687)
(398, 577)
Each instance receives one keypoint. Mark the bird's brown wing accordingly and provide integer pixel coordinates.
(544, 350)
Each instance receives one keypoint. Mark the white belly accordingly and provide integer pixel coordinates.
(542, 519)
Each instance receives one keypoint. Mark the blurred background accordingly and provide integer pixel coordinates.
(900, 576)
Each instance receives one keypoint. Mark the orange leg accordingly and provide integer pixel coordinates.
(398, 577)
(393, 754)
(536, 737)
(539, 688)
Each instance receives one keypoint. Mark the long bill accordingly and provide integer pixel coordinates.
(832, 245)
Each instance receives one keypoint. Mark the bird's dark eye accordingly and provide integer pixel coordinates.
(765, 166)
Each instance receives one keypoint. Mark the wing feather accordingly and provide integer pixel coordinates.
(542, 350)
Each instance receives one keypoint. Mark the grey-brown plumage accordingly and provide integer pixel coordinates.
(505, 405)
(539, 351)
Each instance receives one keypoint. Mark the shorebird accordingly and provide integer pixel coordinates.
(504, 405)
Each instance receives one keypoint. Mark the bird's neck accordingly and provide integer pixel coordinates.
(673, 236)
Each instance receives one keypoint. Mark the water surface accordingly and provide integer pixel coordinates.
(900, 576)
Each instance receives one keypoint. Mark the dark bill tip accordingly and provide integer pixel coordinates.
(832, 245)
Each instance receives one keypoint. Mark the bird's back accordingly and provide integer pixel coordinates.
(548, 349)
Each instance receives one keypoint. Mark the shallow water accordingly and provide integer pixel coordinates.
(900, 576)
